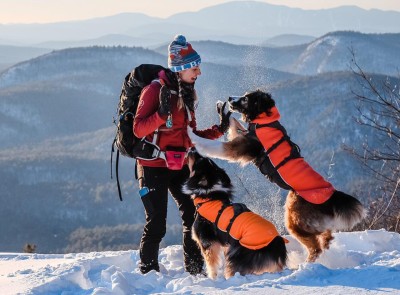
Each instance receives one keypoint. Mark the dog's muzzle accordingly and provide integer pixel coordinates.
(234, 103)
(233, 99)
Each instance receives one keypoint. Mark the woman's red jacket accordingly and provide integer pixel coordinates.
(147, 120)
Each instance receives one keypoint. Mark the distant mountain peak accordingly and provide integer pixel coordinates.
(239, 22)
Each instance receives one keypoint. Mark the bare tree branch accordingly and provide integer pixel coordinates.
(378, 107)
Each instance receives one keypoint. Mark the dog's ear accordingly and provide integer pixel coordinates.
(265, 102)
(220, 174)
(225, 180)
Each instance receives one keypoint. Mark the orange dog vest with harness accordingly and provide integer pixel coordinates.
(250, 229)
(282, 160)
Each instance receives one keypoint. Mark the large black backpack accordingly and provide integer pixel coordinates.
(126, 143)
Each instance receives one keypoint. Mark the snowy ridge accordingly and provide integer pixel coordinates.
(365, 262)
(332, 52)
(317, 54)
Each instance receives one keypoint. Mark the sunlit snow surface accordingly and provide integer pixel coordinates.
(365, 262)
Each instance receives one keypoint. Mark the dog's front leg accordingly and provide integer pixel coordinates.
(212, 259)
(211, 254)
(203, 234)
(242, 149)
(207, 147)
(235, 129)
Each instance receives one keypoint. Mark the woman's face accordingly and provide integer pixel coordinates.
(190, 75)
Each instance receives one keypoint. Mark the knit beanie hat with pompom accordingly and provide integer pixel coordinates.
(181, 55)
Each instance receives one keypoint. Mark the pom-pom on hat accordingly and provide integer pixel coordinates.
(181, 55)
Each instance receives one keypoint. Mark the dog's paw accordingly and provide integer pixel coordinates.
(201, 144)
(193, 137)
(201, 150)
(206, 147)
(197, 141)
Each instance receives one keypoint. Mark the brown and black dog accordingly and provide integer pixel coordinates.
(251, 243)
(314, 208)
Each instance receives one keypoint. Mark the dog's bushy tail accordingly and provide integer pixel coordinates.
(271, 258)
(347, 210)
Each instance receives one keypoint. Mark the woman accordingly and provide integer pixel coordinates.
(168, 105)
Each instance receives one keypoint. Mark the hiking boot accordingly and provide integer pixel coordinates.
(146, 267)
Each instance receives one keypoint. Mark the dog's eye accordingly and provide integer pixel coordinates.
(203, 181)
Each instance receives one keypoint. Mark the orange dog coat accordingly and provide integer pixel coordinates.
(250, 229)
(297, 173)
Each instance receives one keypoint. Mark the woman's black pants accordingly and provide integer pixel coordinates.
(159, 180)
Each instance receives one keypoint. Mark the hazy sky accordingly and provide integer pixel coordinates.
(42, 11)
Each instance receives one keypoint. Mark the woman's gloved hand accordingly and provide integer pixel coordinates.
(224, 115)
(165, 106)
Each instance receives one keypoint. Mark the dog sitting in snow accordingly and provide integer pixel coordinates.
(314, 208)
(252, 244)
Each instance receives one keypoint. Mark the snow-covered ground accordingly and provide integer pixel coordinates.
(365, 262)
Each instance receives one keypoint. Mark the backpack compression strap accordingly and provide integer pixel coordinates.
(116, 168)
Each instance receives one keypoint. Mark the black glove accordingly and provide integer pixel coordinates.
(223, 116)
(165, 107)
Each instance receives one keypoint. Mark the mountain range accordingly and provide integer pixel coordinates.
(78, 75)
(331, 52)
(239, 22)
(242, 22)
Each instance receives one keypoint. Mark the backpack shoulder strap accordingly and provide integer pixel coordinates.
(162, 82)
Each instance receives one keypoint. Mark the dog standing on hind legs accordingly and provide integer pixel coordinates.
(314, 208)
(251, 244)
